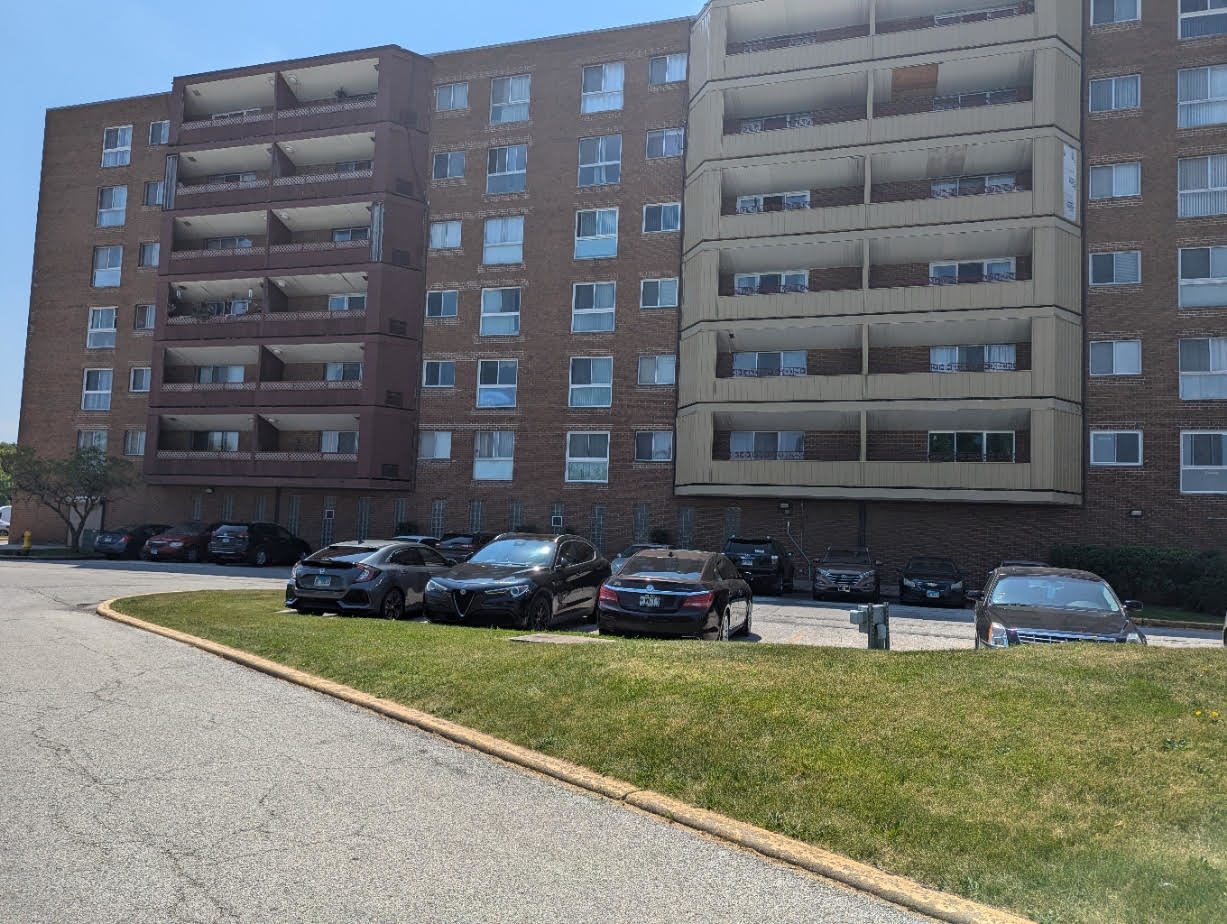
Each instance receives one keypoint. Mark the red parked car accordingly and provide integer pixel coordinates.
(187, 541)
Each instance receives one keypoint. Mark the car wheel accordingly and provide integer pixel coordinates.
(260, 558)
(393, 606)
(745, 629)
(193, 555)
(540, 612)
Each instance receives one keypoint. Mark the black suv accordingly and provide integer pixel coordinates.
(847, 573)
(258, 543)
(762, 562)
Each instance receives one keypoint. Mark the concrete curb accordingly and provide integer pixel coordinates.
(896, 889)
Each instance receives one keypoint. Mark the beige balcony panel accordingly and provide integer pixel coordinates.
(795, 140)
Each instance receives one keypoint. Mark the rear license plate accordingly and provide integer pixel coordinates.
(323, 580)
(845, 588)
(649, 600)
(934, 594)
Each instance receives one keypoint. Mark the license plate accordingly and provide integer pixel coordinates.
(934, 594)
(649, 600)
(323, 580)
(153, 551)
(845, 588)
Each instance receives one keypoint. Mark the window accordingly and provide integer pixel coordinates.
(219, 375)
(444, 235)
(112, 206)
(435, 444)
(773, 202)
(971, 446)
(654, 446)
(230, 242)
(1114, 11)
(235, 113)
(596, 233)
(986, 184)
(1203, 368)
(1202, 95)
(509, 99)
(664, 217)
(666, 142)
(1116, 447)
(1116, 357)
(771, 283)
(658, 293)
(761, 365)
(451, 96)
(159, 132)
(1116, 181)
(96, 390)
(448, 164)
(1203, 277)
(138, 379)
(493, 455)
(1202, 182)
(592, 307)
(443, 304)
(339, 441)
(227, 308)
(134, 442)
(657, 370)
(117, 146)
(970, 271)
(215, 440)
(1202, 17)
(500, 312)
(155, 193)
(507, 169)
(602, 87)
(142, 318)
(342, 372)
(234, 179)
(497, 382)
(667, 68)
(354, 166)
(1116, 93)
(600, 160)
(591, 381)
(350, 301)
(92, 439)
(101, 332)
(1122, 268)
(993, 357)
(148, 254)
(588, 457)
(340, 235)
(504, 241)
(439, 374)
(1203, 463)
(107, 266)
(766, 445)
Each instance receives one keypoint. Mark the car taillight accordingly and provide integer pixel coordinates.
(608, 595)
(366, 573)
(242, 535)
(698, 601)
(127, 539)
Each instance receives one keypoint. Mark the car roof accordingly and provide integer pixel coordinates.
(751, 539)
(543, 537)
(676, 553)
(1046, 571)
(369, 543)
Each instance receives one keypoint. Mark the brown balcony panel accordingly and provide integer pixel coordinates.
(313, 253)
(252, 467)
(214, 396)
(321, 185)
(327, 114)
(263, 324)
(231, 128)
(190, 259)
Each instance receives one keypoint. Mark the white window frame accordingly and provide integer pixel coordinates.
(344, 301)
(1117, 93)
(494, 317)
(1218, 372)
(1137, 12)
(671, 142)
(441, 365)
(606, 169)
(217, 440)
(663, 284)
(667, 209)
(791, 281)
(116, 267)
(454, 163)
(1009, 275)
(587, 460)
(495, 460)
(572, 386)
(598, 213)
(147, 249)
(1186, 466)
(99, 334)
(676, 66)
(1213, 105)
(503, 240)
(92, 439)
(147, 312)
(345, 235)
(162, 132)
(663, 454)
(144, 373)
(661, 368)
(1125, 180)
(446, 307)
(450, 91)
(1196, 282)
(609, 97)
(445, 235)
(101, 397)
(601, 292)
(1193, 16)
(1202, 200)
(343, 371)
(754, 454)
(1120, 260)
(134, 442)
(159, 186)
(120, 153)
(339, 442)
(439, 443)
(515, 179)
(498, 386)
(1115, 434)
(112, 215)
(1120, 357)
(794, 370)
(225, 374)
(515, 108)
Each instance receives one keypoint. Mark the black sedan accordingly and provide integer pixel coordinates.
(127, 541)
(931, 580)
(678, 593)
(1022, 606)
(527, 580)
(366, 577)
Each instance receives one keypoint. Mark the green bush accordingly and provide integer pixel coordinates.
(1186, 578)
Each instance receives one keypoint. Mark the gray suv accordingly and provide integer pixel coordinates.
(375, 577)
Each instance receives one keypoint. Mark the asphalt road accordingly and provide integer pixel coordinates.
(143, 780)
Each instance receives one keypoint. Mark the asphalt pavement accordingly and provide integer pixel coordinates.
(144, 780)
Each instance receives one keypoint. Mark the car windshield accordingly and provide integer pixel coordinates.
(747, 547)
(932, 565)
(231, 530)
(664, 568)
(526, 553)
(632, 550)
(458, 540)
(189, 527)
(851, 556)
(1060, 593)
(347, 554)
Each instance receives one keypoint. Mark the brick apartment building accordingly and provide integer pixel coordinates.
(857, 271)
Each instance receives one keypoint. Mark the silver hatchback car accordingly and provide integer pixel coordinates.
(365, 577)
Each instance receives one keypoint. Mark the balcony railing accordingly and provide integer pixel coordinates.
(245, 119)
(759, 208)
(771, 123)
(975, 100)
(256, 314)
(798, 38)
(198, 253)
(769, 373)
(208, 386)
(301, 179)
(310, 246)
(202, 455)
(787, 288)
(989, 189)
(986, 366)
(767, 456)
(192, 189)
(1010, 276)
(313, 385)
(305, 456)
(317, 107)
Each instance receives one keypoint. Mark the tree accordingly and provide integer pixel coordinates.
(73, 487)
(6, 482)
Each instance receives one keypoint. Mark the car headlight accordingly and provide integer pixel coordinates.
(825, 575)
(775, 559)
(519, 590)
(1136, 637)
(295, 571)
(997, 636)
(957, 585)
(908, 582)
(865, 578)
(433, 585)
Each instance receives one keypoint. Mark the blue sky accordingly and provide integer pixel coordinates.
(62, 52)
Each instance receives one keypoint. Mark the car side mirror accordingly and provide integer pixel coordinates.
(975, 595)
(1133, 606)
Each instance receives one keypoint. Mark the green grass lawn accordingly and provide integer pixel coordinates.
(1175, 614)
(1067, 783)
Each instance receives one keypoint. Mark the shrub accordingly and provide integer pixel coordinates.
(1187, 578)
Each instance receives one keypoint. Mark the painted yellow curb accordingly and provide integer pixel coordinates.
(897, 889)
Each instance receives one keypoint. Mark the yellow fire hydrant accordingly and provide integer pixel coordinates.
(27, 540)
